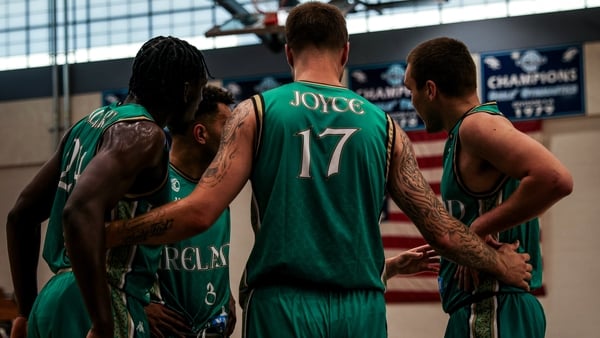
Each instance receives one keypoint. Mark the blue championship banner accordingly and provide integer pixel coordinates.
(535, 83)
(242, 89)
(383, 85)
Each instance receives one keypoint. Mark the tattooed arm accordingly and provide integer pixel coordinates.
(448, 236)
(222, 181)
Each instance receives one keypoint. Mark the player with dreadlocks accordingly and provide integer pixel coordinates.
(112, 164)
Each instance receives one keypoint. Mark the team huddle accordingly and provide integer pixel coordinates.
(137, 200)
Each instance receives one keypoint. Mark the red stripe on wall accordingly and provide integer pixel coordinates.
(430, 162)
(402, 242)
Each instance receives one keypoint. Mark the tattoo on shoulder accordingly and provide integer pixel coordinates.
(413, 193)
(228, 148)
(408, 173)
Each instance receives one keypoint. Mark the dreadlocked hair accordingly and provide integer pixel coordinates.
(160, 70)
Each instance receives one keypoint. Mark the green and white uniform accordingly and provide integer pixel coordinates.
(319, 184)
(494, 309)
(194, 273)
(59, 310)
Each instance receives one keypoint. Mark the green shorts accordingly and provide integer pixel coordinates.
(59, 311)
(512, 315)
(277, 311)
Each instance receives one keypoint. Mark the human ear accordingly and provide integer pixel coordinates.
(345, 53)
(200, 133)
(431, 89)
(289, 56)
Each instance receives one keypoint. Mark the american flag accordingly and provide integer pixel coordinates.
(400, 234)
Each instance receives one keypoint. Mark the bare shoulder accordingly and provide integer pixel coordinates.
(485, 121)
(246, 105)
(404, 164)
(135, 137)
(402, 146)
(482, 126)
(243, 119)
(236, 150)
(243, 110)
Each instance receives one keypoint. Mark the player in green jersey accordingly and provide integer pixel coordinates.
(321, 160)
(496, 179)
(193, 297)
(106, 163)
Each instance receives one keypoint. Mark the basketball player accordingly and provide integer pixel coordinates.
(193, 297)
(320, 159)
(106, 165)
(500, 178)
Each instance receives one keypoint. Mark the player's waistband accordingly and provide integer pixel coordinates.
(476, 298)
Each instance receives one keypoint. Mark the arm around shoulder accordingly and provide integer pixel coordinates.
(222, 181)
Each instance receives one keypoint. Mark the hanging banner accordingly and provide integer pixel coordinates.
(384, 86)
(242, 89)
(535, 83)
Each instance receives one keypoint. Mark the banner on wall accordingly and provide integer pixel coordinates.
(383, 85)
(535, 83)
(243, 88)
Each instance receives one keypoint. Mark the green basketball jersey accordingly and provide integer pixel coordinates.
(129, 268)
(194, 273)
(319, 184)
(467, 206)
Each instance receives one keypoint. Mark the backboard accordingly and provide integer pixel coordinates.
(264, 17)
(255, 23)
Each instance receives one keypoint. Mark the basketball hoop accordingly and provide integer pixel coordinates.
(270, 19)
(270, 10)
(267, 20)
